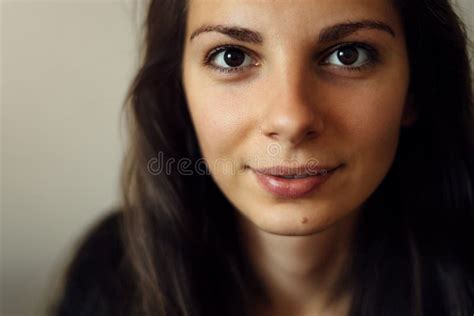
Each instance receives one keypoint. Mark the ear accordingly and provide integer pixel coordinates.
(409, 115)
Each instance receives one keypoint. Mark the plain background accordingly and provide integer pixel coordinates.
(65, 69)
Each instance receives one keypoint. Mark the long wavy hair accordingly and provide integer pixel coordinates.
(413, 253)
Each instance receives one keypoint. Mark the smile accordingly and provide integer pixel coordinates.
(291, 183)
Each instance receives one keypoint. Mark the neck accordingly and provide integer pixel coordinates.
(301, 275)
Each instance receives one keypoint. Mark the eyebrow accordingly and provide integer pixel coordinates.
(328, 34)
(239, 33)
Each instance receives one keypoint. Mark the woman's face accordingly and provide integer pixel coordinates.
(298, 84)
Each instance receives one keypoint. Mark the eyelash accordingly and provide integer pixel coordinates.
(372, 56)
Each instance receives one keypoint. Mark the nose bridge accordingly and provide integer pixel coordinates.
(291, 113)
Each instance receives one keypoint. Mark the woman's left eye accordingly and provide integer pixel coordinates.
(229, 59)
(352, 57)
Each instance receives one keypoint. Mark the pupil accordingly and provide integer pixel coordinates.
(234, 57)
(348, 55)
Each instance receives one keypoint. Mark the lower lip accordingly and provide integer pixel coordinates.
(291, 188)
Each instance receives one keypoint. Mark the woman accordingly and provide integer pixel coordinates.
(319, 161)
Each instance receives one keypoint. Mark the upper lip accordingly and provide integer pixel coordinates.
(294, 171)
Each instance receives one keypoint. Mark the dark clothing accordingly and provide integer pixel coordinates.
(97, 282)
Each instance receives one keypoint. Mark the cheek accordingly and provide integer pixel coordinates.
(367, 113)
(389, 104)
(374, 119)
(370, 130)
(221, 121)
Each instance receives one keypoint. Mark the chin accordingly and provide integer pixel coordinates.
(293, 231)
(294, 220)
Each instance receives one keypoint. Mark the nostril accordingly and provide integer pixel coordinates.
(311, 134)
(273, 135)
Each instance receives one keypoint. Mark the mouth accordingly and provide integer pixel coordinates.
(298, 172)
(292, 183)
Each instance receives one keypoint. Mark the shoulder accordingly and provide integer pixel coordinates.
(98, 277)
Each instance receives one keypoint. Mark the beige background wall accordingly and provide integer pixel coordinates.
(65, 67)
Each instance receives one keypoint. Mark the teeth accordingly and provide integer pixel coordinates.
(295, 176)
(321, 172)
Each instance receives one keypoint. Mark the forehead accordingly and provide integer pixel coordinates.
(277, 17)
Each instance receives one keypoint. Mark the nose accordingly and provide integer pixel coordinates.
(291, 113)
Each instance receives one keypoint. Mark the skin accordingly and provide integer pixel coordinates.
(287, 107)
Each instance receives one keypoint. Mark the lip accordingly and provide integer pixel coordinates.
(291, 188)
(298, 170)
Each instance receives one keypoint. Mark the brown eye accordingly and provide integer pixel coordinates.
(352, 56)
(234, 57)
(348, 55)
(229, 58)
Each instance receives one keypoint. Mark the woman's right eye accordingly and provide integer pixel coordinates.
(229, 59)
